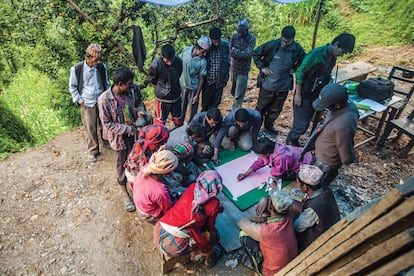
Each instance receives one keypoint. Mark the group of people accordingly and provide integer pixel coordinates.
(163, 174)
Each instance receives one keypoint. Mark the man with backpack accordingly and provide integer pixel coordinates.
(88, 79)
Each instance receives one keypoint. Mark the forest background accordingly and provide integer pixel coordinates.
(41, 40)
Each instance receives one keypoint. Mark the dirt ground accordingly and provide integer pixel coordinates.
(61, 215)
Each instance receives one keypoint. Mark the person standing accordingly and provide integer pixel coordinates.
(277, 60)
(118, 114)
(334, 146)
(319, 211)
(241, 48)
(88, 79)
(164, 74)
(218, 65)
(193, 75)
(311, 76)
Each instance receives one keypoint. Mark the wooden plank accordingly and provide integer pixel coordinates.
(226, 223)
(375, 255)
(347, 230)
(354, 71)
(402, 213)
(399, 264)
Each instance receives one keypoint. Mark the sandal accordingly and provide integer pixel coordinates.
(129, 205)
(218, 253)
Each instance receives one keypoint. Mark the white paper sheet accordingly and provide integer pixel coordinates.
(230, 170)
(376, 106)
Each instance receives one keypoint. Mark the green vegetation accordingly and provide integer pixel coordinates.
(40, 40)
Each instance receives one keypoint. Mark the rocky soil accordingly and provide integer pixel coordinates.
(61, 215)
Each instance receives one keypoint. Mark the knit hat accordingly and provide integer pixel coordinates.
(243, 25)
(288, 32)
(204, 42)
(281, 201)
(94, 50)
(183, 150)
(345, 41)
(330, 94)
(310, 175)
(161, 162)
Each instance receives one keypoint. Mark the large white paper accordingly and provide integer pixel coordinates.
(230, 170)
(376, 106)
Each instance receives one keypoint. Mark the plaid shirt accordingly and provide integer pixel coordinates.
(113, 120)
(213, 73)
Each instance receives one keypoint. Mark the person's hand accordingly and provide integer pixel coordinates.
(266, 71)
(206, 149)
(194, 100)
(297, 99)
(241, 176)
(215, 159)
(261, 207)
(140, 113)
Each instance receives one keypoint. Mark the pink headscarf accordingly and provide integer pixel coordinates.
(208, 185)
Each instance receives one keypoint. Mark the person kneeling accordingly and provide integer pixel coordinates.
(192, 218)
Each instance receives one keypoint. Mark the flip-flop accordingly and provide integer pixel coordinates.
(218, 253)
(129, 205)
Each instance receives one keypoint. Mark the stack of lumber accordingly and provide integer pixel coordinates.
(376, 239)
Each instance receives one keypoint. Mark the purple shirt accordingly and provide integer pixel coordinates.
(284, 159)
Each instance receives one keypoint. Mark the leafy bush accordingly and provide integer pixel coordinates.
(14, 136)
(29, 97)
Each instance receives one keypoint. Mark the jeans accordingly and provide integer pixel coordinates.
(302, 115)
(238, 88)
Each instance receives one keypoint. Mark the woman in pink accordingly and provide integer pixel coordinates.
(150, 195)
(283, 159)
(192, 217)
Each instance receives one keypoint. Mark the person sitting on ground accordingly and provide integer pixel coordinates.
(151, 196)
(319, 211)
(241, 125)
(192, 217)
(149, 140)
(283, 159)
(273, 231)
(144, 117)
(185, 173)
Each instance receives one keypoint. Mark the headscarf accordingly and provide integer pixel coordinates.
(150, 139)
(161, 162)
(183, 150)
(208, 185)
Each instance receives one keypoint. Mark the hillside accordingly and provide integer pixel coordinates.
(61, 215)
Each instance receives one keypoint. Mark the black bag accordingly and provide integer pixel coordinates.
(377, 89)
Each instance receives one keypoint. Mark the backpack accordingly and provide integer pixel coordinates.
(377, 89)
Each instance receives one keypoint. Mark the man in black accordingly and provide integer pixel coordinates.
(277, 60)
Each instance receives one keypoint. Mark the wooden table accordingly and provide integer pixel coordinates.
(384, 116)
(356, 71)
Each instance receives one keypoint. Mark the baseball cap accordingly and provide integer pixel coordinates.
(330, 94)
(204, 42)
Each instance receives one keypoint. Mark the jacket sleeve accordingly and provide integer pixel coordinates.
(345, 144)
(259, 54)
(247, 52)
(153, 72)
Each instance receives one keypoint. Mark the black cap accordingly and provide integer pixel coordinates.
(331, 94)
